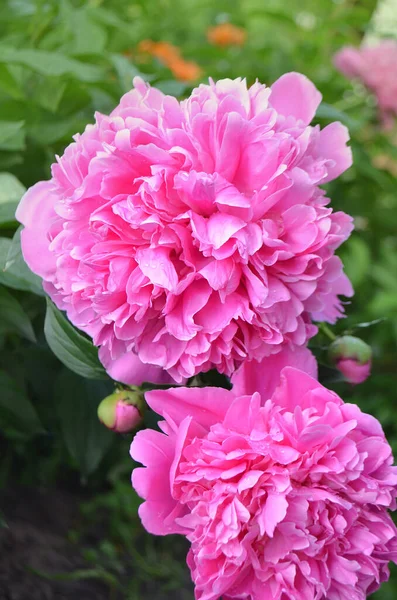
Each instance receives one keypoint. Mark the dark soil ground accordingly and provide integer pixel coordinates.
(35, 540)
(39, 558)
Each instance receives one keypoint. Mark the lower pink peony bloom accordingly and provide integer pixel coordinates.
(376, 67)
(282, 497)
(194, 235)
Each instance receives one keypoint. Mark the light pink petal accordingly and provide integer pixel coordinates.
(273, 512)
(294, 95)
(129, 369)
(332, 145)
(36, 212)
(156, 264)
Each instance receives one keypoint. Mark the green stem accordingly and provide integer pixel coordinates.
(326, 330)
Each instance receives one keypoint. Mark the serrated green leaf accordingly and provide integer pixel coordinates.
(74, 350)
(13, 317)
(77, 401)
(14, 272)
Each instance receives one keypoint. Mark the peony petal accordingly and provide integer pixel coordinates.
(206, 405)
(36, 212)
(129, 369)
(264, 376)
(294, 95)
(332, 145)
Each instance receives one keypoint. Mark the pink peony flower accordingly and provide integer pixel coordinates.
(281, 496)
(194, 235)
(376, 67)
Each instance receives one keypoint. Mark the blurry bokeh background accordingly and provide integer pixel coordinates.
(68, 520)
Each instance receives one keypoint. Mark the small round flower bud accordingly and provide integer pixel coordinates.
(352, 357)
(122, 411)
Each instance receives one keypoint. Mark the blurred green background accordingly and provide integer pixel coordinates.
(69, 515)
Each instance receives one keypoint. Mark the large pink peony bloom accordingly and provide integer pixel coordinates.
(376, 67)
(282, 497)
(194, 235)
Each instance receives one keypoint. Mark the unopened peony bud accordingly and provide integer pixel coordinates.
(121, 411)
(352, 357)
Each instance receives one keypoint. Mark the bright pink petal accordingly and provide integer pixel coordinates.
(264, 376)
(206, 405)
(294, 387)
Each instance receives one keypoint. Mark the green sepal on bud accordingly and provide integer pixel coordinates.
(350, 347)
(122, 411)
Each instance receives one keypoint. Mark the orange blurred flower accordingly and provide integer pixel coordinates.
(146, 46)
(170, 56)
(166, 52)
(226, 34)
(185, 70)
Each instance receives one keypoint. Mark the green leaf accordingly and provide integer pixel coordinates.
(12, 135)
(77, 401)
(89, 37)
(10, 159)
(51, 64)
(17, 415)
(125, 70)
(13, 317)
(11, 191)
(54, 129)
(330, 113)
(49, 92)
(9, 84)
(14, 272)
(356, 257)
(109, 18)
(368, 324)
(172, 87)
(73, 350)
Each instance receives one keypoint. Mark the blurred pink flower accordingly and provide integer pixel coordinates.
(192, 235)
(376, 67)
(281, 497)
